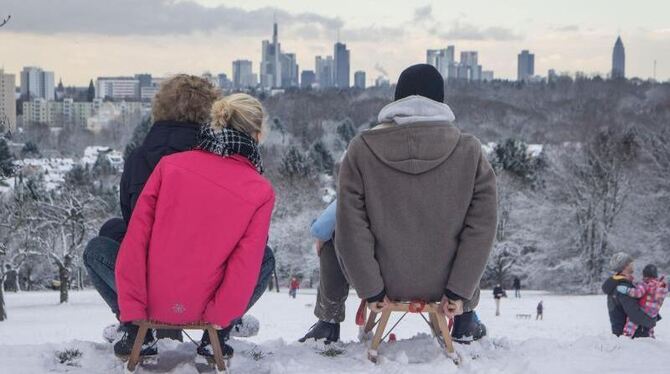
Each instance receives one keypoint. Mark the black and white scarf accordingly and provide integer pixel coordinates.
(227, 142)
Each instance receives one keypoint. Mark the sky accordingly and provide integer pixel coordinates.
(83, 39)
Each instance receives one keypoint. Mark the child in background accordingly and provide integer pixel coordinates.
(293, 287)
(540, 311)
(651, 292)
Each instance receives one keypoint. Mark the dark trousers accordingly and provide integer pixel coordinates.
(100, 260)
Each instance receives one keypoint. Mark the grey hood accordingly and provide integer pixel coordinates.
(413, 148)
(416, 109)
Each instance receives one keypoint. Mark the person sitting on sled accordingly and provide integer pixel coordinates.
(207, 213)
(651, 292)
(334, 289)
(416, 206)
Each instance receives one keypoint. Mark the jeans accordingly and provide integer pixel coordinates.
(100, 260)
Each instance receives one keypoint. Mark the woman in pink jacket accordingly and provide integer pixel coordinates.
(206, 212)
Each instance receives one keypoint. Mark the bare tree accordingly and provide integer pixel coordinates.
(597, 183)
(5, 20)
(66, 219)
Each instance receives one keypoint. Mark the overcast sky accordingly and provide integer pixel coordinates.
(83, 39)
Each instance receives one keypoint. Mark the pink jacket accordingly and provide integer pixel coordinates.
(652, 293)
(206, 216)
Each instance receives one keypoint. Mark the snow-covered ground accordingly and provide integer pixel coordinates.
(573, 338)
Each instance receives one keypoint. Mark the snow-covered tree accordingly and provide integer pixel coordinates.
(294, 164)
(6, 159)
(501, 262)
(320, 158)
(346, 131)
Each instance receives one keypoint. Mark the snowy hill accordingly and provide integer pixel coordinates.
(573, 338)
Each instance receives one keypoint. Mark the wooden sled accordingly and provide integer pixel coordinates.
(437, 322)
(220, 363)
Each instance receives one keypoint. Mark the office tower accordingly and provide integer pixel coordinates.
(551, 75)
(341, 65)
(618, 60)
(243, 76)
(117, 88)
(224, 82)
(36, 83)
(324, 71)
(359, 79)
(144, 80)
(270, 61)
(7, 102)
(441, 59)
(526, 65)
(307, 79)
(289, 70)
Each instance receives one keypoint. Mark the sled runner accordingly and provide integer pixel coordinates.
(219, 362)
(437, 322)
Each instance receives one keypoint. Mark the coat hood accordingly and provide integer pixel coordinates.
(416, 109)
(413, 148)
(167, 137)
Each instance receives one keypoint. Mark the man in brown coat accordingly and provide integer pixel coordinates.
(416, 210)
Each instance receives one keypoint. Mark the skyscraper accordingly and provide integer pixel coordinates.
(243, 76)
(307, 78)
(289, 70)
(526, 65)
(359, 79)
(618, 60)
(341, 65)
(36, 83)
(324, 71)
(7, 102)
(441, 59)
(270, 61)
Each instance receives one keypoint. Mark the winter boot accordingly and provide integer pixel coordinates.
(124, 346)
(245, 327)
(113, 333)
(323, 330)
(205, 348)
(467, 328)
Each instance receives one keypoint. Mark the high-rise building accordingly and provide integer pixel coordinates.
(307, 79)
(243, 76)
(526, 65)
(487, 75)
(441, 59)
(224, 82)
(618, 60)
(147, 93)
(117, 88)
(270, 60)
(36, 83)
(341, 60)
(7, 102)
(144, 79)
(324, 67)
(289, 70)
(359, 79)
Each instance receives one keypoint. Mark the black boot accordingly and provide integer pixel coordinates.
(205, 348)
(467, 328)
(323, 330)
(124, 347)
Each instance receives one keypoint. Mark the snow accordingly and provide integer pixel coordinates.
(573, 338)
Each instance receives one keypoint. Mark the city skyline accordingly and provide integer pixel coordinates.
(81, 47)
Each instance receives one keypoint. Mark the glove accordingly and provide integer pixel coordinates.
(622, 289)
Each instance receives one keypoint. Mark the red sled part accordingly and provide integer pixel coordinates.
(361, 314)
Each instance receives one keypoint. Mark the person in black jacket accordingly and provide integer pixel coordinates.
(180, 107)
(621, 306)
(517, 287)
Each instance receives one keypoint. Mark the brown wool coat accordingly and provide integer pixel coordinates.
(416, 212)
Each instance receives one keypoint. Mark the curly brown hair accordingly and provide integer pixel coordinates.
(184, 98)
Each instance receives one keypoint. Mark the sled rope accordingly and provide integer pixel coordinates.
(394, 326)
(190, 338)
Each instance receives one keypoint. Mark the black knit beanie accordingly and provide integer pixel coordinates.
(650, 271)
(421, 79)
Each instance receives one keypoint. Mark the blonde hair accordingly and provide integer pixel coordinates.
(184, 98)
(239, 111)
